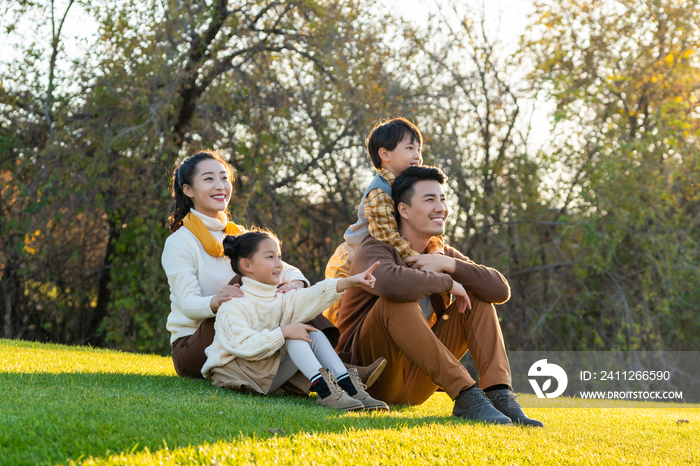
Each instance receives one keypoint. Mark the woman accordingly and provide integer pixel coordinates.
(200, 275)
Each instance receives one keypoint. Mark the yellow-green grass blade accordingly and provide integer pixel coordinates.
(63, 405)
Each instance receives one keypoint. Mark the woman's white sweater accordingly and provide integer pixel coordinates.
(250, 327)
(195, 277)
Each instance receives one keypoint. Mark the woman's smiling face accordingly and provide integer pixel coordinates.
(211, 188)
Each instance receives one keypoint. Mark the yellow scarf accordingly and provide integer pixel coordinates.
(197, 227)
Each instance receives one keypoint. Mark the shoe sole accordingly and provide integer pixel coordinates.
(522, 424)
(484, 422)
(347, 410)
(352, 408)
(377, 408)
(375, 375)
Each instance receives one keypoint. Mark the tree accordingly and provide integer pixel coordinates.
(596, 231)
(624, 76)
(278, 86)
(476, 112)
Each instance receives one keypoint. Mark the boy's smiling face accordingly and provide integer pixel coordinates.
(407, 153)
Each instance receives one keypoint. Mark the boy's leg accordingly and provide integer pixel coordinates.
(339, 264)
(338, 267)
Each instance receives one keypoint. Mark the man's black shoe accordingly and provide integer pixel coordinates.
(506, 402)
(472, 404)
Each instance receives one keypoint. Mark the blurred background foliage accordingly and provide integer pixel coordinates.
(597, 228)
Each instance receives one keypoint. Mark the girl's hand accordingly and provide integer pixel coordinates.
(364, 278)
(298, 332)
(463, 301)
(226, 293)
(285, 287)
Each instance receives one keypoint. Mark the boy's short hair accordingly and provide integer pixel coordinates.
(388, 134)
(402, 190)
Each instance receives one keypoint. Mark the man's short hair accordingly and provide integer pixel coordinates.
(388, 134)
(403, 187)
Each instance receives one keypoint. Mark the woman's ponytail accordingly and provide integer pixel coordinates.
(183, 204)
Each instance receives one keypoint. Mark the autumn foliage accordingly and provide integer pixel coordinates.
(596, 228)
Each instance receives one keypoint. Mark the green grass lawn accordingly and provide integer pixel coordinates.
(77, 405)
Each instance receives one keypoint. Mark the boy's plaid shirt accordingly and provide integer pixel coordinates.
(379, 211)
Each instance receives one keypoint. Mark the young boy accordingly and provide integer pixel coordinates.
(393, 145)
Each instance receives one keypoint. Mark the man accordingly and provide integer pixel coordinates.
(408, 318)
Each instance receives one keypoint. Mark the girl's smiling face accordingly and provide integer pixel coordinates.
(266, 264)
(211, 188)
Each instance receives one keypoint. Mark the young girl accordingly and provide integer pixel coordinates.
(260, 341)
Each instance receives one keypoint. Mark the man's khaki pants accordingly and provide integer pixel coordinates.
(420, 358)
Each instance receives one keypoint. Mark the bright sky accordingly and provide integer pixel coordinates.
(511, 13)
(506, 21)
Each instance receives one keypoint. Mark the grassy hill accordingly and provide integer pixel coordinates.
(78, 405)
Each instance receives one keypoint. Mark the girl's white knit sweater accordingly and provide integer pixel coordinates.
(195, 277)
(250, 327)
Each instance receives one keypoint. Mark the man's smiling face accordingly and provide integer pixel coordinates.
(427, 213)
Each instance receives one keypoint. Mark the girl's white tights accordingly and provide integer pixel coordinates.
(308, 358)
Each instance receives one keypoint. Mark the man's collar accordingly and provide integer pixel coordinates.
(387, 175)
